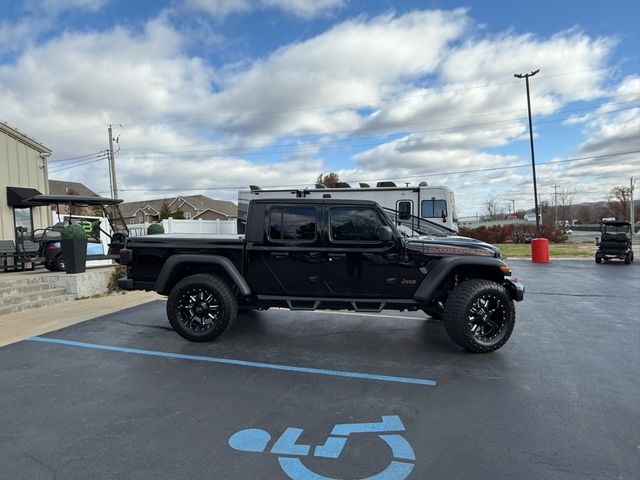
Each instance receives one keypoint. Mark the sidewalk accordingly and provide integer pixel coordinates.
(21, 325)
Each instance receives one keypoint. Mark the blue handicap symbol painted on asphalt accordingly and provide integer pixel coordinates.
(289, 451)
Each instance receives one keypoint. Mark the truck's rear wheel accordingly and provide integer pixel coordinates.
(479, 315)
(201, 307)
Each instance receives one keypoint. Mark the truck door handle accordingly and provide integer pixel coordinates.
(337, 255)
(314, 254)
(279, 254)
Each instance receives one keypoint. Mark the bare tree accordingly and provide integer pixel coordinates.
(619, 199)
(545, 212)
(565, 201)
(491, 206)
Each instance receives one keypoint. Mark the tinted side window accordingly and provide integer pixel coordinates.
(292, 223)
(354, 224)
(433, 208)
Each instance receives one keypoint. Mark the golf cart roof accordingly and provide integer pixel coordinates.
(73, 199)
(616, 223)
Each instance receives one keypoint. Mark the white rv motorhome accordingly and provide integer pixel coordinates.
(436, 204)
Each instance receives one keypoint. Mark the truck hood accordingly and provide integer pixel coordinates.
(452, 245)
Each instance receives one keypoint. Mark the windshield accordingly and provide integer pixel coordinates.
(416, 226)
(616, 228)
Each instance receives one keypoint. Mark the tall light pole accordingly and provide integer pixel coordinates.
(533, 158)
(632, 211)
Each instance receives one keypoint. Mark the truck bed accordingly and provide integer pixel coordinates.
(184, 239)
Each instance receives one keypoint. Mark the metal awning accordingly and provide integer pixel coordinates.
(19, 196)
(40, 199)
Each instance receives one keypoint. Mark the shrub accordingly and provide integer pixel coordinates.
(551, 233)
(155, 229)
(118, 272)
(73, 232)
(492, 234)
(513, 233)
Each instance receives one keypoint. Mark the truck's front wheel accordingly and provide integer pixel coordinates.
(479, 315)
(201, 307)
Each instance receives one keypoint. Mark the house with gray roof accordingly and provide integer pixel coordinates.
(193, 206)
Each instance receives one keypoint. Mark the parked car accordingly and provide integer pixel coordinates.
(306, 254)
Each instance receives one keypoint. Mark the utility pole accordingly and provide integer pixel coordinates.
(533, 158)
(555, 201)
(112, 167)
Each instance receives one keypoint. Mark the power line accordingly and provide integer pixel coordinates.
(421, 175)
(77, 164)
(88, 155)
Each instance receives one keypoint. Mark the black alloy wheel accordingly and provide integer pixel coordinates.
(201, 307)
(487, 317)
(479, 315)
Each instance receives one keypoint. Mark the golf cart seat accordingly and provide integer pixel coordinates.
(50, 234)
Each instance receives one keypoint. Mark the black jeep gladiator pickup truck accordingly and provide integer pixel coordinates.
(325, 254)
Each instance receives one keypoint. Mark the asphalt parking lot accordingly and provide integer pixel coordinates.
(317, 395)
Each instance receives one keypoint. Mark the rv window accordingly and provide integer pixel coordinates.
(292, 223)
(433, 208)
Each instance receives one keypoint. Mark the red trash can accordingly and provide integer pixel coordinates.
(540, 250)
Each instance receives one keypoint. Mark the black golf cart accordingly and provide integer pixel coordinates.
(615, 242)
(50, 251)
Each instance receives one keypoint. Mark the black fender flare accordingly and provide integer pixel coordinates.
(434, 278)
(169, 270)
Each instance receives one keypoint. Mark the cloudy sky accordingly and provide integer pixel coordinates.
(206, 96)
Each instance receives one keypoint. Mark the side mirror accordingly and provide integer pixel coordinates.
(385, 234)
(444, 216)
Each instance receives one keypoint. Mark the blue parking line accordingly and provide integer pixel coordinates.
(244, 363)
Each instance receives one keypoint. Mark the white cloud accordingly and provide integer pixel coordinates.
(55, 7)
(300, 8)
(306, 8)
(220, 8)
(313, 84)
(42, 17)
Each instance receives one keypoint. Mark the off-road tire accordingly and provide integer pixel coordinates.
(458, 314)
(223, 307)
(598, 259)
(628, 259)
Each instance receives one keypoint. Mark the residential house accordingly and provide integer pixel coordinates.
(59, 187)
(193, 206)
